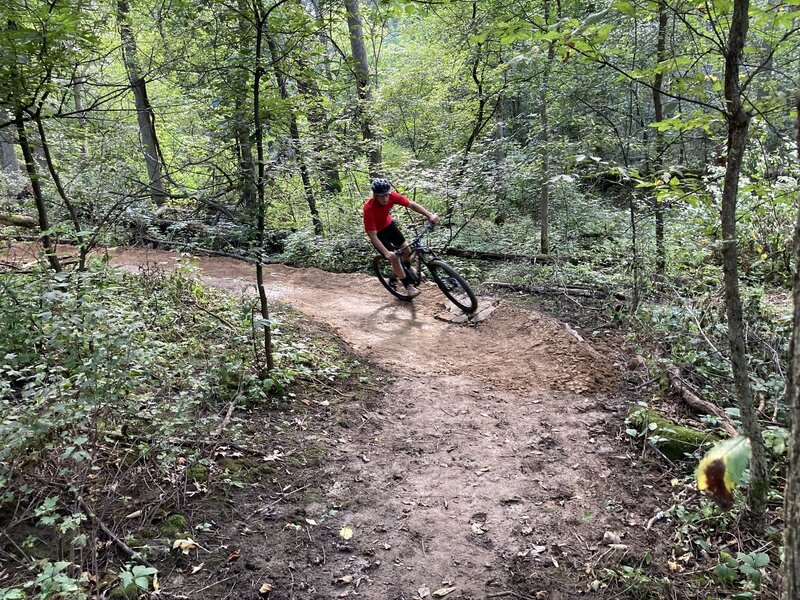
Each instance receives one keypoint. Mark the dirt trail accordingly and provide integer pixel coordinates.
(491, 465)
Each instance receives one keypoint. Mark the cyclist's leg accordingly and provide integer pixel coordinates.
(393, 239)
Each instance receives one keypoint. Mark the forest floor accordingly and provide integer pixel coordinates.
(489, 463)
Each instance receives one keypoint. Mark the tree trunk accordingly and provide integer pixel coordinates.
(658, 81)
(242, 118)
(294, 132)
(635, 296)
(8, 155)
(260, 20)
(144, 112)
(85, 245)
(41, 209)
(244, 151)
(544, 198)
(77, 91)
(329, 177)
(359, 51)
(738, 121)
(791, 497)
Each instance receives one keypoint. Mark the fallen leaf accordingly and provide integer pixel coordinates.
(344, 580)
(720, 470)
(423, 592)
(198, 568)
(609, 537)
(346, 532)
(265, 589)
(311, 521)
(442, 592)
(234, 555)
(276, 455)
(674, 566)
(477, 528)
(133, 515)
(186, 545)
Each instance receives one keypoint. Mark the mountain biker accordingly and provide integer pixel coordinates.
(384, 233)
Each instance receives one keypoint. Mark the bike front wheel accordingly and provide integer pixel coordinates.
(383, 269)
(453, 286)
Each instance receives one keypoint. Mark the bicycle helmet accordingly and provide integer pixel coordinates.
(381, 186)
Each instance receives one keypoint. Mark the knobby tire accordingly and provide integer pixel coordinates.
(453, 286)
(383, 269)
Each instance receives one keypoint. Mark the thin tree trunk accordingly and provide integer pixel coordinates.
(260, 20)
(791, 497)
(658, 81)
(294, 132)
(144, 112)
(247, 170)
(8, 155)
(544, 198)
(359, 51)
(77, 90)
(738, 123)
(634, 255)
(241, 121)
(481, 119)
(62, 192)
(41, 209)
(329, 176)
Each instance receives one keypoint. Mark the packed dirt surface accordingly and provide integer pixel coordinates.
(489, 467)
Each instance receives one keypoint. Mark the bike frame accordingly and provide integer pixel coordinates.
(418, 249)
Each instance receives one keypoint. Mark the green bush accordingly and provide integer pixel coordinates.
(342, 253)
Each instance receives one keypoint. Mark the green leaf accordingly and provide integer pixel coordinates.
(751, 572)
(626, 8)
(725, 573)
(760, 559)
(722, 468)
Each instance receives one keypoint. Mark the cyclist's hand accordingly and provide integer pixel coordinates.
(434, 219)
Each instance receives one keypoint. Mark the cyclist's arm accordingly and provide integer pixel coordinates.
(432, 217)
(373, 236)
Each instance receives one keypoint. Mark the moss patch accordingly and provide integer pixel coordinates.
(675, 441)
(172, 525)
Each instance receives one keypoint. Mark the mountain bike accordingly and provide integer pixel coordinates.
(449, 281)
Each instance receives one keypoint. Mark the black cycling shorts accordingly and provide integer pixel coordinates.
(391, 237)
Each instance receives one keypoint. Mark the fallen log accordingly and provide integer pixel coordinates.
(583, 291)
(14, 220)
(696, 403)
(536, 258)
(675, 441)
(197, 250)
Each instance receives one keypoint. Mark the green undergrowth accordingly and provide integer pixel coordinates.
(126, 399)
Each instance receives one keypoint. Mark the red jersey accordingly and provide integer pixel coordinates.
(377, 217)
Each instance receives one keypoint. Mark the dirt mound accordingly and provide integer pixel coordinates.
(541, 353)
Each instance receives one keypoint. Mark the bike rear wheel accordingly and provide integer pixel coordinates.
(453, 286)
(383, 269)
